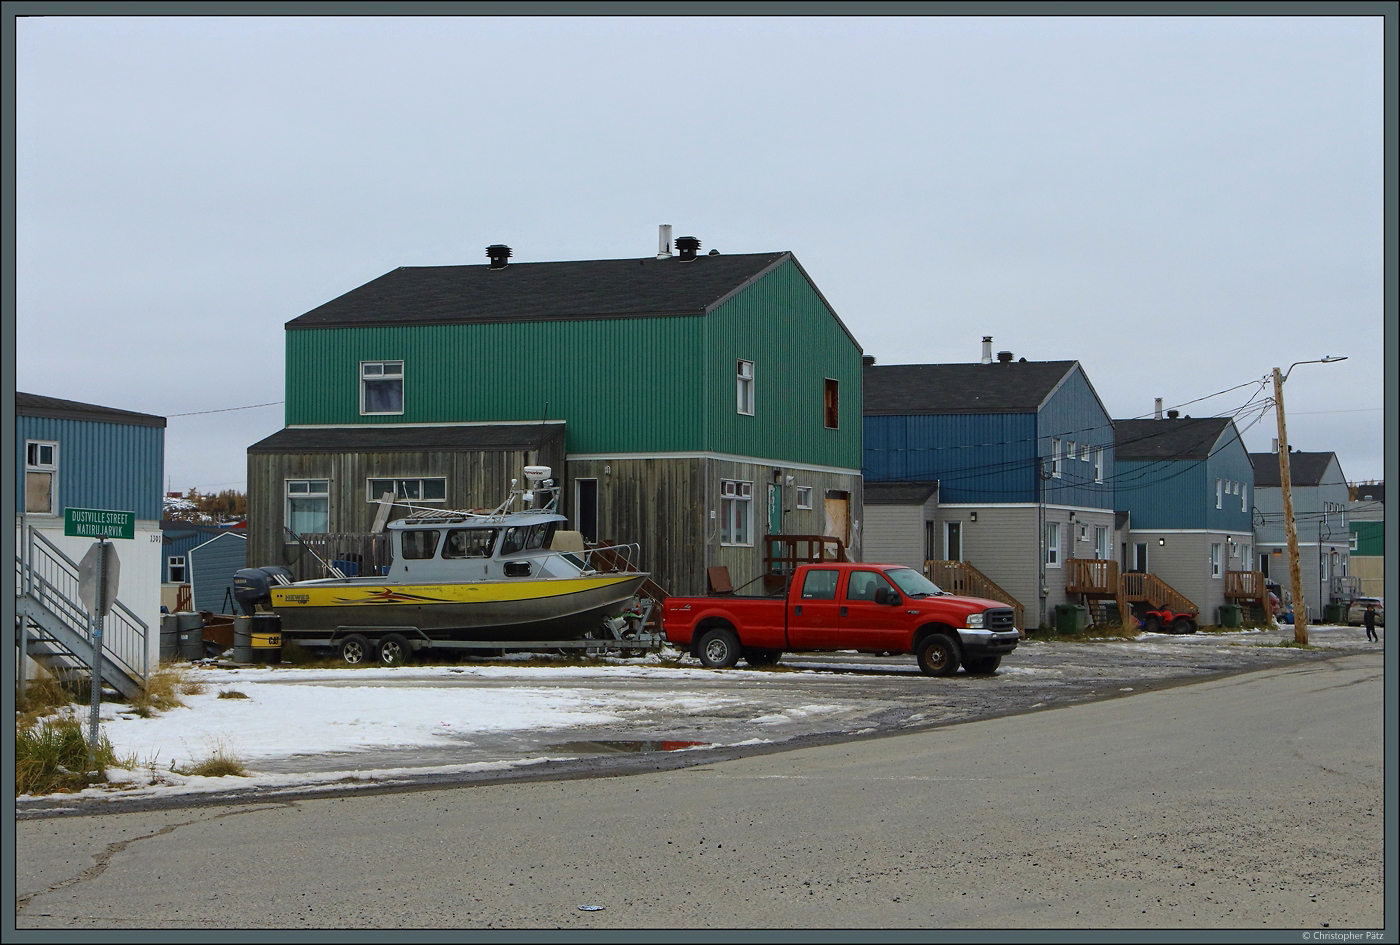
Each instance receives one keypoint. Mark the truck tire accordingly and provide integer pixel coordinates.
(355, 649)
(762, 657)
(938, 655)
(393, 650)
(718, 649)
(983, 665)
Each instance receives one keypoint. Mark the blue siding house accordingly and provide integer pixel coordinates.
(1188, 486)
(1022, 454)
(76, 455)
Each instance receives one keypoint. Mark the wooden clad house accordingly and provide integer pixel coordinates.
(1320, 514)
(1022, 453)
(1187, 485)
(688, 403)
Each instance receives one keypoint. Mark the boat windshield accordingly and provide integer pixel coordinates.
(913, 583)
(528, 537)
(420, 543)
(470, 542)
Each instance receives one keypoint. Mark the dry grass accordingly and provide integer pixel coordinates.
(162, 692)
(46, 694)
(231, 694)
(222, 763)
(51, 757)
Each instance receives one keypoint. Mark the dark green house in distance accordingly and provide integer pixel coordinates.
(689, 403)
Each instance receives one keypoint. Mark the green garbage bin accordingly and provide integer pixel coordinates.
(1071, 618)
(1334, 614)
(1229, 615)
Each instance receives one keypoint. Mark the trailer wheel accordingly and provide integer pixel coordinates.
(394, 650)
(718, 649)
(355, 649)
(938, 656)
(762, 657)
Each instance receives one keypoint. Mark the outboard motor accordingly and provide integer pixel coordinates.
(253, 586)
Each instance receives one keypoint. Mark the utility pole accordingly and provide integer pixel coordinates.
(1300, 607)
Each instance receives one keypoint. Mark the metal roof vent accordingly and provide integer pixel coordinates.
(986, 349)
(1004, 357)
(868, 360)
(1173, 414)
(687, 246)
(498, 254)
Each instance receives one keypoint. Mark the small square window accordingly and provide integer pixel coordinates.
(40, 468)
(381, 387)
(176, 569)
(804, 497)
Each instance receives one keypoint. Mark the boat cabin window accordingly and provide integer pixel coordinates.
(469, 543)
(420, 543)
(528, 537)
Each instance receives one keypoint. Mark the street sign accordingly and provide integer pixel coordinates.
(98, 523)
(88, 579)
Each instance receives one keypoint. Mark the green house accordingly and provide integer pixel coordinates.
(690, 404)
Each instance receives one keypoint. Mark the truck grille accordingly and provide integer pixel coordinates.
(1000, 619)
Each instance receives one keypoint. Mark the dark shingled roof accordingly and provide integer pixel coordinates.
(899, 493)
(1014, 387)
(383, 439)
(37, 405)
(1168, 438)
(541, 291)
(1305, 469)
(1367, 491)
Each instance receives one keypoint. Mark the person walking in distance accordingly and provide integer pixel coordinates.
(1369, 619)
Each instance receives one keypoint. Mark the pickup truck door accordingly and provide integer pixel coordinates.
(813, 611)
(867, 625)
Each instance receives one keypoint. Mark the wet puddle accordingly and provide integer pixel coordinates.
(606, 747)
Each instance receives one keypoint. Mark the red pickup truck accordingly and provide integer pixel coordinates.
(874, 608)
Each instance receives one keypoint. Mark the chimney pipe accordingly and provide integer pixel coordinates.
(1157, 409)
(687, 246)
(663, 241)
(986, 349)
(498, 254)
(1004, 357)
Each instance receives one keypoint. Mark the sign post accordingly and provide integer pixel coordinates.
(98, 576)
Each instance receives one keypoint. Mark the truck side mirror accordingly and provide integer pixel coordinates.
(883, 595)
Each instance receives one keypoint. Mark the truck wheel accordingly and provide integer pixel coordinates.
(718, 649)
(394, 650)
(1151, 624)
(938, 656)
(762, 657)
(983, 666)
(1183, 625)
(356, 650)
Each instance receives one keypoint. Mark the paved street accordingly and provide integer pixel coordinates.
(1248, 801)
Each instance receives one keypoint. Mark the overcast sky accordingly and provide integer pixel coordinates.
(1179, 204)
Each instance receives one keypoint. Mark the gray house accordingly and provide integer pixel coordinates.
(1320, 499)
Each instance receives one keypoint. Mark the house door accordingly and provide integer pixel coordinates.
(952, 540)
(586, 508)
(775, 509)
(838, 515)
(1264, 563)
(1140, 556)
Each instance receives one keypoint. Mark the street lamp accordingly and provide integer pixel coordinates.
(1300, 606)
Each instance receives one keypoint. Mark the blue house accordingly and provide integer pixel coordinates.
(1022, 453)
(77, 455)
(1188, 486)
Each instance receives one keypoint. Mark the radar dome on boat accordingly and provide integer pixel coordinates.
(537, 472)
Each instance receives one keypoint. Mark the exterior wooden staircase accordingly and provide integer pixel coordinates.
(1242, 586)
(51, 626)
(961, 578)
(1097, 579)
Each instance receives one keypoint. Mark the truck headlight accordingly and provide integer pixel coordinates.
(974, 621)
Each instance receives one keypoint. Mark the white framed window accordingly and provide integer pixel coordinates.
(1098, 464)
(40, 473)
(804, 497)
(1215, 559)
(1071, 450)
(309, 506)
(175, 569)
(1052, 544)
(1083, 452)
(414, 490)
(735, 512)
(744, 387)
(1244, 497)
(1055, 457)
(381, 387)
(1219, 493)
(1352, 543)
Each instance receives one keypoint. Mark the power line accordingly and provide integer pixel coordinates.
(198, 413)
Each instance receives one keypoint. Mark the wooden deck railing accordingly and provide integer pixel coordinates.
(1155, 591)
(963, 579)
(1092, 576)
(1246, 585)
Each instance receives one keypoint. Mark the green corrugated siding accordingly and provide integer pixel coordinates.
(629, 384)
(782, 325)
